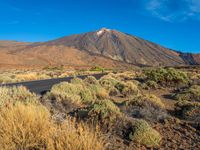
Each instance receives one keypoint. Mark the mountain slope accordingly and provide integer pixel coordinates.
(123, 47)
(108, 48)
(191, 59)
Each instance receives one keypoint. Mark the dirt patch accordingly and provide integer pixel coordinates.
(179, 136)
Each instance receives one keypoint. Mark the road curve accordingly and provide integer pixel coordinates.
(42, 86)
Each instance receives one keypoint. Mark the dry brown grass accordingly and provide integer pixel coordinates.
(24, 127)
(31, 127)
(79, 138)
(12, 95)
(30, 76)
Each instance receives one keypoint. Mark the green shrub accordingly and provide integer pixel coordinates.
(190, 94)
(11, 95)
(108, 82)
(151, 84)
(141, 100)
(75, 93)
(87, 96)
(76, 81)
(54, 68)
(143, 134)
(148, 107)
(116, 86)
(154, 100)
(127, 88)
(113, 91)
(91, 80)
(98, 91)
(169, 76)
(97, 68)
(104, 111)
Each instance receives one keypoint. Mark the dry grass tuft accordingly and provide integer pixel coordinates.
(11, 95)
(24, 127)
(30, 127)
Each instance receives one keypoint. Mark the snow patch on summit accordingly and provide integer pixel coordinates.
(103, 30)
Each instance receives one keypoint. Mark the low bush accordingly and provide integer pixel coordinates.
(91, 80)
(142, 99)
(104, 111)
(115, 86)
(125, 75)
(189, 110)
(53, 68)
(169, 76)
(143, 134)
(150, 85)
(154, 100)
(6, 79)
(12, 95)
(113, 91)
(127, 88)
(97, 68)
(76, 81)
(148, 107)
(108, 82)
(98, 91)
(189, 94)
(73, 93)
(31, 127)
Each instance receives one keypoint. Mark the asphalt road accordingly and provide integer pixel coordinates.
(42, 86)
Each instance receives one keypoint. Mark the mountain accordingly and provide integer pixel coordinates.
(122, 47)
(105, 47)
(191, 59)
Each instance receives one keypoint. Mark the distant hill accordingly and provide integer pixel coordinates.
(105, 47)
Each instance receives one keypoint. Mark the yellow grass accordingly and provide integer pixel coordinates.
(30, 127)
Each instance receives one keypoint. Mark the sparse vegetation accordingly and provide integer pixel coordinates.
(143, 134)
(154, 100)
(5, 79)
(12, 95)
(97, 68)
(73, 93)
(188, 103)
(104, 111)
(189, 94)
(189, 110)
(150, 84)
(167, 77)
(31, 127)
(98, 91)
(127, 88)
(76, 81)
(12, 76)
(114, 85)
(149, 107)
(108, 82)
(114, 112)
(91, 80)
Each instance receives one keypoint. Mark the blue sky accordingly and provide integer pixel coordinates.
(172, 23)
